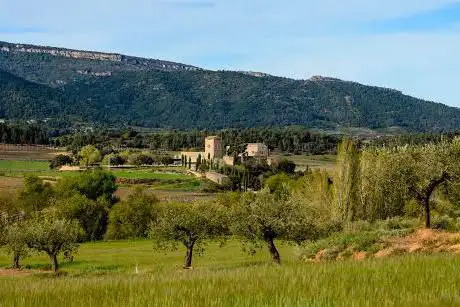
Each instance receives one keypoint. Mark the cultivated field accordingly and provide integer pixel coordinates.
(27, 152)
(166, 186)
(105, 274)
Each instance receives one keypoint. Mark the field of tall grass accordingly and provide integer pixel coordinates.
(132, 274)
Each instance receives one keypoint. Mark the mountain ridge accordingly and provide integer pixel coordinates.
(124, 90)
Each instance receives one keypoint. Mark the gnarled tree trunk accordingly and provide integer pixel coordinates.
(16, 258)
(423, 197)
(269, 236)
(189, 254)
(427, 213)
(54, 262)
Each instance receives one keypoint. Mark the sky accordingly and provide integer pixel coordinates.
(409, 45)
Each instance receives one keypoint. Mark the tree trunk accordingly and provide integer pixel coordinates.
(54, 262)
(269, 236)
(427, 213)
(189, 255)
(16, 258)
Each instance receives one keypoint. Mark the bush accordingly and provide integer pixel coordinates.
(277, 182)
(286, 166)
(114, 160)
(141, 159)
(445, 223)
(131, 218)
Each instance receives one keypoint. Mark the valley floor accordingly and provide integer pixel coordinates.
(132, 274)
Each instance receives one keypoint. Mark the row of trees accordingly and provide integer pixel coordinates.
(89, 156)
(23, 134)
(288, 139)
(370, 184)
(54, 220)
(379, 183)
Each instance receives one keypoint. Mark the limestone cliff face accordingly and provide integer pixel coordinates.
(62, 52)
(133, 63)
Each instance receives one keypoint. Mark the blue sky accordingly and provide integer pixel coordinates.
(410, 45)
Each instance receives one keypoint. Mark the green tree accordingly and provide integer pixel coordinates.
(60, 160)
(140, 159)
(14, 239)
(428, 167)
(131, 218)
(89, 155)
(91, 214)
(277, 182)
(266, 217)
(189, 224)
(286, 166)
(347, 182)
(93, 184)
(11, 235)
(113, 160)
(35, 195)
(48, 232)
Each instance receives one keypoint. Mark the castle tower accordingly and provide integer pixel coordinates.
(213, 147)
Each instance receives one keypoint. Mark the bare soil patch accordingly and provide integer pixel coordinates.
(15, 273)
(423, 240)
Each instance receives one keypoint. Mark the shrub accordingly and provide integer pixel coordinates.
(131, 218)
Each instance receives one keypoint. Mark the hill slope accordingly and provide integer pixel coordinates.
(115, 89)
(21, 99)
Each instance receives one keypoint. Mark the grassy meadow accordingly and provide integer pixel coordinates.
(104, 274)
(132, 273)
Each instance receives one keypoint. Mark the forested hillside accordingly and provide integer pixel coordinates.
(21, 99)
(115, 90)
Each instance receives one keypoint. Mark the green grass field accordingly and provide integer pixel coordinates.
(12, 166)
(104, 274)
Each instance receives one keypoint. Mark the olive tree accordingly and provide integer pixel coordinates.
(392, 177)
(11, 229)
(428, 167)
(48, 232)
(284, 215)
(15, 242)
(190, 224)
